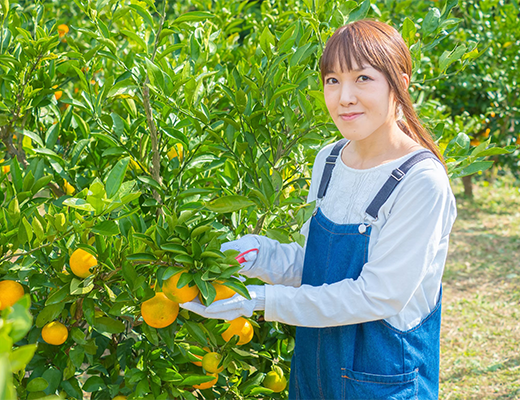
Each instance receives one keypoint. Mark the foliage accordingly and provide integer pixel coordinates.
(147, 134)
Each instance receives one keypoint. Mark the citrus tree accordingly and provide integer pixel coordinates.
(137, 137)
(483, 96)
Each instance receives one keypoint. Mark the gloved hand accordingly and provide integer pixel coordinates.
(234, 307)
(247, 246)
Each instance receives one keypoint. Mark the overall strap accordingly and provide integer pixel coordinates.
(330, 163)
(395, 177)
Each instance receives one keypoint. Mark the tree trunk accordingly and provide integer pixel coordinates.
(468, 186)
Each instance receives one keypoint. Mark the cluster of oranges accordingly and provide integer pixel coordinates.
(158, 312)
(162, 310)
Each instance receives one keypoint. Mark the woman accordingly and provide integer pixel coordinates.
(365, 292)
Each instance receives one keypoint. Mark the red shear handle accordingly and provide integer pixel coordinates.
(240, 258)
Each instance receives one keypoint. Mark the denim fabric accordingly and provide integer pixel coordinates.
(365, 361)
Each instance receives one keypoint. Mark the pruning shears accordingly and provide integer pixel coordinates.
(241, 259)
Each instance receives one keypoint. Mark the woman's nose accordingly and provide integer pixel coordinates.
(347, 96)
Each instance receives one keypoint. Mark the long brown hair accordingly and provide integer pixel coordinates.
(381, 46)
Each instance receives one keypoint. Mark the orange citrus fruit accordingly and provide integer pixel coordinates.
(5, 168)
(199, 353)
(207, 385)
(69, 189)
(175, 151)
(179, 295)
(80, 263)
(55, 333)
(119, 397)
(275, 381)
(159, 311)
(10, 293)
(62, 30)
(211, 361)
(241, 327)
(223, 292)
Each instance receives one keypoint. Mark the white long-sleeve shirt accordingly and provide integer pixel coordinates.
(400, 281)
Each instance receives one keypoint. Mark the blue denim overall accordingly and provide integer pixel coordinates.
(365, 361)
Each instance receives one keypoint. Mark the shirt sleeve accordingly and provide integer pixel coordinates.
(417, 227)
(282, 263)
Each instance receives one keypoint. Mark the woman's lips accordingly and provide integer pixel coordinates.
(350, 117)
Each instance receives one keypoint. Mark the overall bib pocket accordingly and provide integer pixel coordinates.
(365, 386)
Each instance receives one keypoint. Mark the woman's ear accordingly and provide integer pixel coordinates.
(406, 80)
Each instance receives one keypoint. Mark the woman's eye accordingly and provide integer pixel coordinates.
(363, 78)
(331, 80)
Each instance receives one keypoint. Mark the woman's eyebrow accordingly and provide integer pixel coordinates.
(362, 68)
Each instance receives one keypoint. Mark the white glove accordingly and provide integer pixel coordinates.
(247, 246)
(229, 309)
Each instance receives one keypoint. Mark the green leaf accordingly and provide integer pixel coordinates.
(141, 257)
(147, 17)
(106, 228)
(155, 74)
(20, 320)
(238, 287)
(49, 313)
(409, 31)
(116, 176)
(78, 287)
(284, 89)
(431, 21)
(93, 384)
(494, 151)
(40, 183)
(190, 380)
(79, 204)
(229, 204)
(72, 388)
(472, 169)
(37, 385)
(57, 296)
(267, 40)
(33, 136)
(20, 357)
(108, 325)
(174, 248)
(118, 124)
(360, 12)
(196, 332)
(449, 57)
(135, 37)
(16, 174)
(193, 16)
(77, 355)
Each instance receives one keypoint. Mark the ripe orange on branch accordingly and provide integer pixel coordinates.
(241, 327)
(211, 361)
(199, 353)
(10, 293)
(80, 263)
(55, 333)
(179, 295)
(223, 292)
(159, 311)
(63, 30)
(275, 380)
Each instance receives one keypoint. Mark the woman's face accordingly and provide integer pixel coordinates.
(359, 101)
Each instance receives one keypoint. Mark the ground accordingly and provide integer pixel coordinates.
(481, 316)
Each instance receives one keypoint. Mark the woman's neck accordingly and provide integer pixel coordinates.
(378, 148)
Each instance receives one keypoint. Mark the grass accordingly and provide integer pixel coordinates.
(480, 338)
